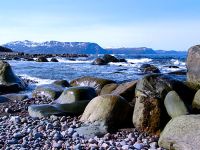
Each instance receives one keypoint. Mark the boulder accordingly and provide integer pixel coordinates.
(54, 60)
(174, 105)
(9, 82)
(99, 61)
(193, 63)
(63, 83)
(181, 133)
(147, 68)
(51, 91)
(74, 94)
(41, 59)
(97, 83)
(111, 110)
(109, 58)
(45, 110)
(126, 90)
(108, 88)
(150, 114)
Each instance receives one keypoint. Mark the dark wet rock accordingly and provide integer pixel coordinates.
(111, 110)
(45, 110)
(179, 72)
(99, 61)
(109, 58)
(9, 82)
(148, 68)
(126, 90)
(149, 113)
(97, 83)
(174, 105)
(122, 60)
(73, 94)
(181, 133)
(63, 83)
(3, 99)
(193, 63)
(171, 66)
(108, 88)
(54, 60)
(51, 91)
(41, 59)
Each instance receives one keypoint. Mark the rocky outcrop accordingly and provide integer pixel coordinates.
(193, 63)
(9, 82)
(181, 133)
(174, 105)
(111, 110)
(148, 68)
(149, 113)
(109, 58)
(54, 60)
(99, 61)
(42, 59)
(73, 94)
(96, 83)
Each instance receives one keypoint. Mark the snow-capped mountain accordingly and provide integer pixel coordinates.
(55, 47)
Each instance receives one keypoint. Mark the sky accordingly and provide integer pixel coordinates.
(157, 24)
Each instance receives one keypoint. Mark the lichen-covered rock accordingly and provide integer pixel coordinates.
(181, 133)
(193, 63)
(45, 110)
(9, 82)
(150, 114)
(74, 94)
(174, 105)
(111, 110)
(97, 83)
(126, 90)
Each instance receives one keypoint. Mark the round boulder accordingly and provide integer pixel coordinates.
(99, 61)
(73, 94)
(54, 60)
(112, 110)
(174, 105)
(109, 58)
(41, 59)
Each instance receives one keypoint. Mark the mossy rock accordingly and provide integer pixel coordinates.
(48, 90)
(174, 105)
(96, 83)
(74, 94)
(9, 82)
(45, 110)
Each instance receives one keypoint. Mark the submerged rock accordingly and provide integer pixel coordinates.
(9, 82)
(99, 61)
(42, 59)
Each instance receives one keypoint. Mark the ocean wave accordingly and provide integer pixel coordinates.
(63, 60)
(177, 62)
(142, 60)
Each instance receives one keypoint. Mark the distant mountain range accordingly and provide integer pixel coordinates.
(4, 49)
(55, 47)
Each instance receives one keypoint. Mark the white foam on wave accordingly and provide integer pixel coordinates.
(142, 60)
(38, 80)
(177, 62)
(63, 60)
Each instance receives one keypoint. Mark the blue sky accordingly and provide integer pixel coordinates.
(159, 24)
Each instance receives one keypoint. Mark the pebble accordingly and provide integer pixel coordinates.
(138, 145)
(70, 131)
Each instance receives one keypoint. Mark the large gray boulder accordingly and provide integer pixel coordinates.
(111, 110)
(74, 94)
(181, 133)
(193, 63)
(9, 82)
(150, 114)
(96, 83)
(174, 105)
